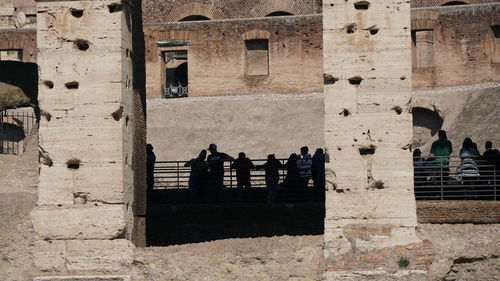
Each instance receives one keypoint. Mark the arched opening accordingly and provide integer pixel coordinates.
(453, 3)
(194, 18)
(426, 123)
(279, 14)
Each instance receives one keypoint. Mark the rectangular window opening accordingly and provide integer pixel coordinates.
(495, 56)
(257, 57)
(422, 48)
(12, 55)
(176, 74)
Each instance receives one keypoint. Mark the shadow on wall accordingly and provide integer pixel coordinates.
(426, 124)
(24, 76)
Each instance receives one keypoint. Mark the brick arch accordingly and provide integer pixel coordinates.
(290, 6)
(191, 9)
(256, 34)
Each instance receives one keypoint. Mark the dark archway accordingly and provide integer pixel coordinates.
(194, 18)
(453, 3)
(178, 75)
(279, 14)
(426, 123)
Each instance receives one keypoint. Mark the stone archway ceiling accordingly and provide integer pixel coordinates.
(207, 10)
(289, 6)
(436, 3)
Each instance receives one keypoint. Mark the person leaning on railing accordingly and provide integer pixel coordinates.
(441, 150)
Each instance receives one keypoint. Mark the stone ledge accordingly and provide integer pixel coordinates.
(102, 221)
(84, 278)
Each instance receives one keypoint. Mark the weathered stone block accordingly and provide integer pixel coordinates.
(49, 255)
(84, 278)
(87, 222)
(98, 255)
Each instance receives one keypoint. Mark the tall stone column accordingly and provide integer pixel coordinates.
(91, 204)
(370, 206)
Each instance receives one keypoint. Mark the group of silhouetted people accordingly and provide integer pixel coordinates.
(435, 169)
(208, 175)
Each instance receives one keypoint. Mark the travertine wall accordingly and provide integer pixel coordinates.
(216, 55)
(174, 10)
(370, 207)
(86, 211)
(461, 45)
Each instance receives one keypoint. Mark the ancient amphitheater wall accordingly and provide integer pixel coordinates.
(221, 59)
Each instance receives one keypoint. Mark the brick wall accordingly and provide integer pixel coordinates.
(216, 55)
(174, 10)
(480, 212)
(462, 45)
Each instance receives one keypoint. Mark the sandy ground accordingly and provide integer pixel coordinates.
(255, 124)
(18, 186)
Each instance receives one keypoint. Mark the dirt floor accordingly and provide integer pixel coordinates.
(255, 124)
(18, 187)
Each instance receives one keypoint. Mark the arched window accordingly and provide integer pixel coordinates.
(279, 14)
(453, 3)
(194, 18)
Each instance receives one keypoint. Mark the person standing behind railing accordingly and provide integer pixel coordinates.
(441, 151)
(150, 168)
(468, 172)
(197, 175)
(292, 178)
(242, 165)
(318, 169)
(304, 165)
(271, 168)
(216, 164)
(491, 158)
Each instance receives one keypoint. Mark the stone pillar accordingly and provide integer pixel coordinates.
(370, 207)
(92, 138)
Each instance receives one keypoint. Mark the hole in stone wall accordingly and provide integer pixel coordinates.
(361, 5)
(82, 45)
(72, 85)
(48, 84)
(402, 77)
(329, 79)
(397, 109)
(126, 120)
(374, 31)
(117, 115)
(115, 7)
(345, 112)
(73, 164)
(356, 81)
(46, 114)
(351, 28)
(77, 13)
(377, 185)
(367, 150)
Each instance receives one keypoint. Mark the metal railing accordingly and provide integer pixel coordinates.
(175, 91)
(14, 127)
(432, 180)
(173, 175)
(471, 178)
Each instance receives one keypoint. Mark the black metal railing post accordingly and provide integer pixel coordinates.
(441, 169)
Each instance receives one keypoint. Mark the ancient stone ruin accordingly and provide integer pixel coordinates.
(256, 76)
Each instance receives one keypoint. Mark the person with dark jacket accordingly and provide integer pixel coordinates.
(197, 177)
(318, 169)
(243, 165)
(292, 179)
(150, 167)
(271, 168)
